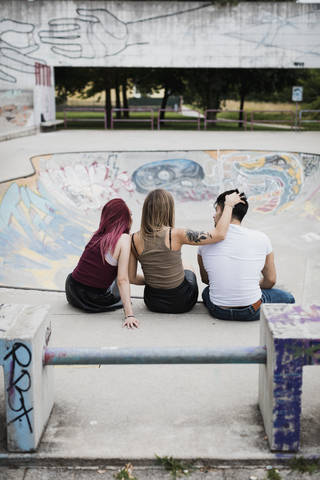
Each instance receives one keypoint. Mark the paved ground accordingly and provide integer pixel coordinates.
(110, 415)
(107, 473)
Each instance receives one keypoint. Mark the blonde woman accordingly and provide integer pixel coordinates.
(170, 283)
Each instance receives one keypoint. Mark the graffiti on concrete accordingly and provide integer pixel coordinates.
(311, 163)
(182, 177)
(47, 218)
(13, 115)
(19, 382)
(271, 181)
(17, 46)
(92, 34)
(276, 179)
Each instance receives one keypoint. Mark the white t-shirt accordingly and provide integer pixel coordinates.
(234, 266)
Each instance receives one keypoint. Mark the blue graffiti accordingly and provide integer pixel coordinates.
(33, 222)
(278, 173)
(182, 177)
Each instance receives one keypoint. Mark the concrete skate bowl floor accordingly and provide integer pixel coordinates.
(47, 218)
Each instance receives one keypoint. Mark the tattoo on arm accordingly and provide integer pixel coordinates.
(197, 237)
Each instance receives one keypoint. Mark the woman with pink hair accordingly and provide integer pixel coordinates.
(100, 281)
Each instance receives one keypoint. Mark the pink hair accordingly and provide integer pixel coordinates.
(115, 220)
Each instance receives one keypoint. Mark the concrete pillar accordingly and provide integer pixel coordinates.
(25, 332)
(291, 334)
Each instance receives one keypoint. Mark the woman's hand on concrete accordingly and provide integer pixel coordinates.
(131, 322)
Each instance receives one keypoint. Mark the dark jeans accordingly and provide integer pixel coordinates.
(272, 295)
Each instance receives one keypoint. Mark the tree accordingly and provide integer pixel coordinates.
(70, 81)
(311, 89)
(154, 80)
(263, 84)
(207, 87)
(88, 82)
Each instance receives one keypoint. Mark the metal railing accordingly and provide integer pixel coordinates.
(271, 121)
(307, 121)
(219, 120)
(85, 119)
(179, 110)
(131, 119)
(153, 355)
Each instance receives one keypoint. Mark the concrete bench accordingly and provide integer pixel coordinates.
(25, 331)
(50, 125)
(291, 334)
(290, 338)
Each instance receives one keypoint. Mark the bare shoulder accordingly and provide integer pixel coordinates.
(123, 242)
(135, 243)
(178, 232)
(125, 239)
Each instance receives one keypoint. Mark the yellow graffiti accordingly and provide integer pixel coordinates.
(258, 163)
(299, 176)
(311, 209)
(284, 207)
(46, 276)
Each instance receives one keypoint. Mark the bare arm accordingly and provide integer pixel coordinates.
(185, 236)
(203, 271)
(135, 278)
(269, 273)
(123, 281)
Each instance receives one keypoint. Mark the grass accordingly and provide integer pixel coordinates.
(175, 467)
(142, 121)
(303, 465)
(125, 473)
(273, 474)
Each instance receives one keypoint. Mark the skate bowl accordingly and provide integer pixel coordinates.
(47, 218)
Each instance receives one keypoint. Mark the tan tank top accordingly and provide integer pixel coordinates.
(162, 267)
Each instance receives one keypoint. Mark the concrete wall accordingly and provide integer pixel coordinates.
(156, 34)
(145, 34)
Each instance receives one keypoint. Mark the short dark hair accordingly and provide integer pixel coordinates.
(239, 210)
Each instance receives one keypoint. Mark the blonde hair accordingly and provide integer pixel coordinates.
(157, 212)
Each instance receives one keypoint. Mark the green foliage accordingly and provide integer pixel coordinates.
(87, 82)
(273, 474)
(311, 90)
(125, 473)
(302, 465)
(176, 467)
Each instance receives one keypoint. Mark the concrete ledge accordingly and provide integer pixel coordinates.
(19, 132)
(25, 331)
(291, 334)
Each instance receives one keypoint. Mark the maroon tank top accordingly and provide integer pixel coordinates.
(91, 270)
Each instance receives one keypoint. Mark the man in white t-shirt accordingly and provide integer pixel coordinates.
(232, 269)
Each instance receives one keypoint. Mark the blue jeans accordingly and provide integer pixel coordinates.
(272, 295)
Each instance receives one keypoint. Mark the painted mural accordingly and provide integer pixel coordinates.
(47, 218)
(155, 34)
(16, 109)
